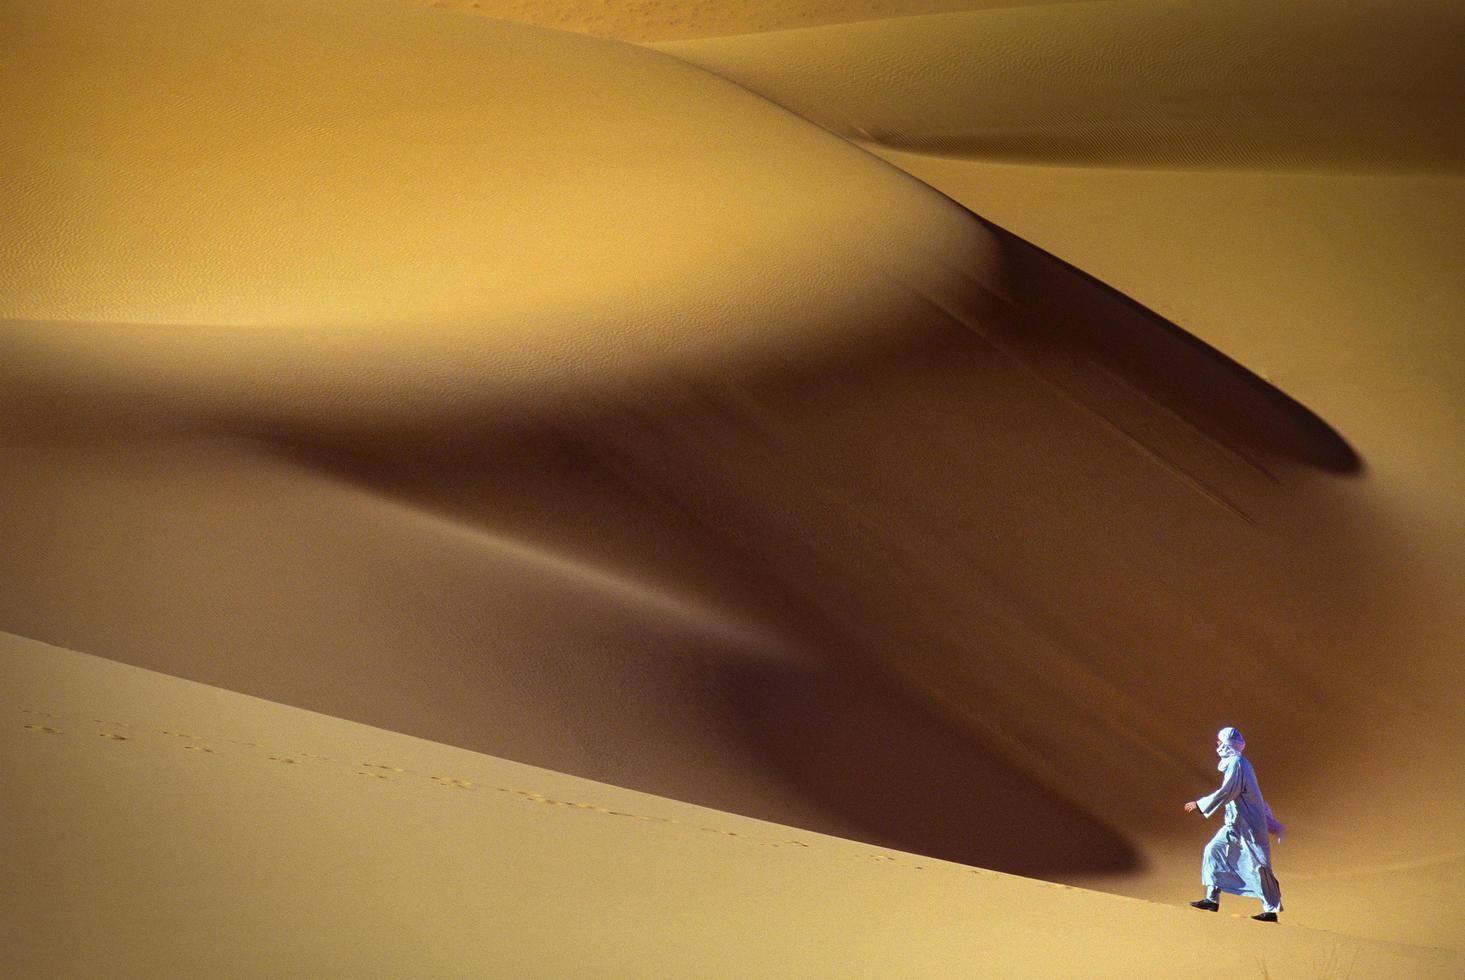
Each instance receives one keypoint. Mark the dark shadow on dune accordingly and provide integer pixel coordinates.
(1028, 490)
(858, 754)
(931, 439)
(1068, 315)
(881, 759)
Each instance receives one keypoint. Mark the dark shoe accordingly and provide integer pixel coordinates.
(1206, 905)
(1266, 917)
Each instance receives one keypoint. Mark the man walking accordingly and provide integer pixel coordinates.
(1238, 859)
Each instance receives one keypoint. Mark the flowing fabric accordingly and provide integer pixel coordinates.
(1238, 859)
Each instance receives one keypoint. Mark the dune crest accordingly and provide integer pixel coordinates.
(659, 21)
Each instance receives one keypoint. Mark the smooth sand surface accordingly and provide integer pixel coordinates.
(167, 828)
(564, 401)
(1372, 86)
(657, 20)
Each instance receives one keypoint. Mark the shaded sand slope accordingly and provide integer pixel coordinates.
(156, 827)
(552, 398)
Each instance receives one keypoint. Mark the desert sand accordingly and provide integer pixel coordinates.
(177, 829)
(907, 430)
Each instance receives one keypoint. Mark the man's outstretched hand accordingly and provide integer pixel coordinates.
(1191, 807)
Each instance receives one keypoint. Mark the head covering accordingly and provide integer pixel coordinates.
(1231, 744)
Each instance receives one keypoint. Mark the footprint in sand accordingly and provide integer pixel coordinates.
(373, 765)
(113, 736)
(374, 775)
(285, 759)
(44, 729)
(450, 781)
(198, 748)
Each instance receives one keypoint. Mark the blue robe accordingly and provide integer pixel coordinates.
(1238, 859)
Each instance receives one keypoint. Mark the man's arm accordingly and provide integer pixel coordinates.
(1229, 790)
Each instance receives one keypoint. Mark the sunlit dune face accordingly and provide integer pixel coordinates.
(468, 189)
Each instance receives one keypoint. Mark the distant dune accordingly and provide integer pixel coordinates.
(1370, 87)
(664, 20)
(921, 431)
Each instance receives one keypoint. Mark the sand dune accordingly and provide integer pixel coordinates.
(661, 21)
(560, 400)
(1371, 87)
(1282, 239)
(174, 829)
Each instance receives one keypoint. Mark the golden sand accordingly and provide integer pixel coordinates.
(623, 412)
(167, 828)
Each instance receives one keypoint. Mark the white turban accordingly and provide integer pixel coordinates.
(1231, 744)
